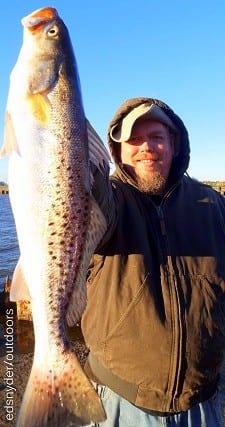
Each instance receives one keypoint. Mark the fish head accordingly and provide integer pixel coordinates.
(46, 61)
(46, 51)
(44, 29)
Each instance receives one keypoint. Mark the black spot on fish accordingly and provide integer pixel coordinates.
(58, 343)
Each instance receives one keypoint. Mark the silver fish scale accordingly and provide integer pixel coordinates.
(66, 234)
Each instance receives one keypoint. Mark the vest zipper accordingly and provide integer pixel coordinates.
(176, 327)
(161, 221)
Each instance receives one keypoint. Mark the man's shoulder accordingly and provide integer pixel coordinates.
(203, 189)
(195, 183)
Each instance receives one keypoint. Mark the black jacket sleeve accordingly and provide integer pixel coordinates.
(102, 192)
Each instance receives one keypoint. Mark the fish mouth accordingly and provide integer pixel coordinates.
(40, 16)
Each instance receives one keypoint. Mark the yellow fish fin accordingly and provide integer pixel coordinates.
(10, 141)
(40, 107)
(19, 289)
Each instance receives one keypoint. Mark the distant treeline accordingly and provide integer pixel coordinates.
(218, 185)
(215, 183)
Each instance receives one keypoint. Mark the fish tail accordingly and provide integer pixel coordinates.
(59, 394)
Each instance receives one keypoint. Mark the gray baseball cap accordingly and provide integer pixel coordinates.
(121, 131)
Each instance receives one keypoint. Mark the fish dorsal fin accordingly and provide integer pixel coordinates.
(98, 153)
(10, 141)
(19, 289)
(40, 107)
(95, 231)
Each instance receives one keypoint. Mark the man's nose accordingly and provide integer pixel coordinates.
(147, 145)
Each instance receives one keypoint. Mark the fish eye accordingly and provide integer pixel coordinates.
(53, 31)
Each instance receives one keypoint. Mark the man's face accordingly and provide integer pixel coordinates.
(148, 154)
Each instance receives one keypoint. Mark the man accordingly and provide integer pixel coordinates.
(155, 316)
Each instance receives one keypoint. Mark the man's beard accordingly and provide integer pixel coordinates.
(153, 185)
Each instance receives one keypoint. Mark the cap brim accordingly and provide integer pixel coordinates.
(122, 131)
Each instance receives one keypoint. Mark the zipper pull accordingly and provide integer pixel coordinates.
(162, 222)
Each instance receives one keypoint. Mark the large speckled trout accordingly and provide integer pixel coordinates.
(58, 222)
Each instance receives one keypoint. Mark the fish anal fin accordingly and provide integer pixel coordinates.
(19, 290)
(95, 231)
(10, 141)
(40, 107)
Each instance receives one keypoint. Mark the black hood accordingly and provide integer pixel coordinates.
(181, 161)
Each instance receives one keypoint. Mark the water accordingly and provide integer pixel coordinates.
(9, 249)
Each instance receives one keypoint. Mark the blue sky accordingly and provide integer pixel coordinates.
(171, 50)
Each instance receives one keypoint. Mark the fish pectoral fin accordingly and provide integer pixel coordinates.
(58, 393)
(40, 107)
(10, 141)
(95, 231)
(19, 290)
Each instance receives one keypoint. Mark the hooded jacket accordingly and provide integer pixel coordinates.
(155, 315)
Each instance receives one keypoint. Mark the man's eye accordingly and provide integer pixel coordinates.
(157, 137)
(135, 139)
